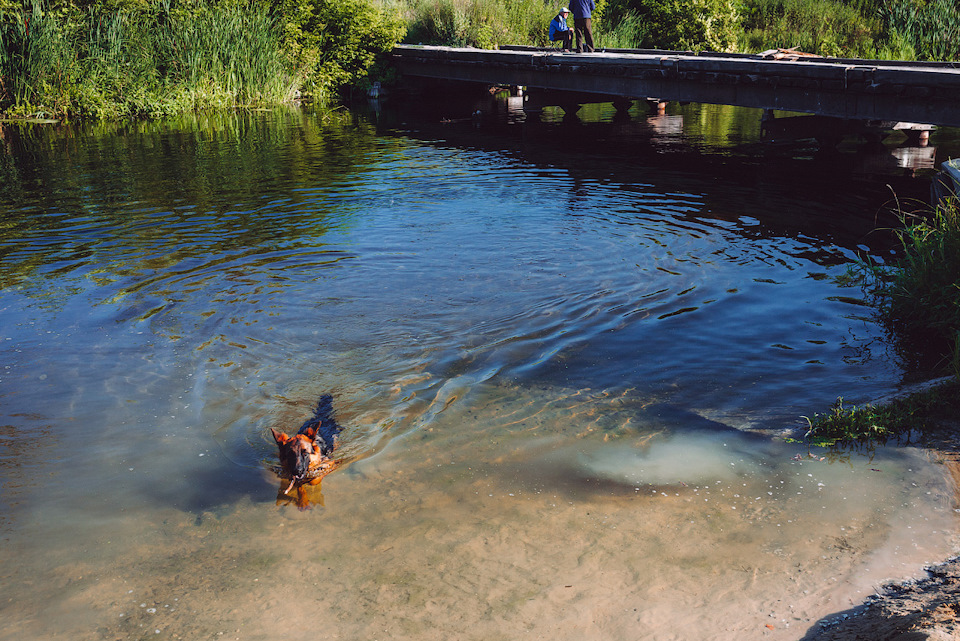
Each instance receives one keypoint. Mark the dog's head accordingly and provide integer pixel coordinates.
(297, 453)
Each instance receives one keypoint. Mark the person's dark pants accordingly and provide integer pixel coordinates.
(584, 29)
(566, 37)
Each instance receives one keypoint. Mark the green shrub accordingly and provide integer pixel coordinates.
(330, 44)
(697, 25)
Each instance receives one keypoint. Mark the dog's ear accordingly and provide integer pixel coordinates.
(279, 437)
(311, 432)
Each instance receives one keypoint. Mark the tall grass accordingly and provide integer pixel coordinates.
(931, 28)
(824, 27)
(157, 57)
(485, 24)
(233, 50)
(37, 59)
(920, 296)
(150, 60)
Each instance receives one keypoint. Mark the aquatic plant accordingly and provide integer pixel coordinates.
(37, 60)
(918, 298)
(915, 413)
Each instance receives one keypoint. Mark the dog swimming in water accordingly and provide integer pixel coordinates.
(305, 457)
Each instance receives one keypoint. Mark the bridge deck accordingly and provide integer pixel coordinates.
(855, 89)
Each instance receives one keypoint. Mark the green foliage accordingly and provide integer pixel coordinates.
(485, 24)
(37, 60)
(871, 423)
(919, 296)
(232, 50)
(930, 27)
(330, 43)
(824, 27)
(697, 25)
(628, 32)
(114, 58)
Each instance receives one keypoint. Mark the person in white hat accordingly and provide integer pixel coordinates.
(560, 31)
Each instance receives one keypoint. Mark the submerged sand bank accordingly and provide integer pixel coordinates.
(928, 608)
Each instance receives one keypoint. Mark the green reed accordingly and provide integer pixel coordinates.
(931, 28)
(824, 27)
(479, 23)
(919, 295)
(37, 59)
(233, 51)
(150, 60)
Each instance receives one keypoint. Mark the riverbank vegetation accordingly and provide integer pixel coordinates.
(117, 58)
(890, 29)
(120, 58)
(914, 414)
(918, 300)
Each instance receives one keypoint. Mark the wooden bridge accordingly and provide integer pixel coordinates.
(864, 90)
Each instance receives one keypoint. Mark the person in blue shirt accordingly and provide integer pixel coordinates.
(560, 31)
(583, 23)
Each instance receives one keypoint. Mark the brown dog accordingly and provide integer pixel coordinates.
(303, 457)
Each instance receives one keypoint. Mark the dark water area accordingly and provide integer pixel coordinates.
(556, 342)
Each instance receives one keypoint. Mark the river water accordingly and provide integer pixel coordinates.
(564, 353)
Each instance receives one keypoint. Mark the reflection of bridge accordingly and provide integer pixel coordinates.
(867, 90)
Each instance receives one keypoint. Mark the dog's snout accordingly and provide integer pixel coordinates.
(302, 464)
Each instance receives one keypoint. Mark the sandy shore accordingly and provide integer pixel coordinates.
(910, 610)
(924, 609)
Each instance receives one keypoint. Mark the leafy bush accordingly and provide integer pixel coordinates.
(331, 43)
(697, 25)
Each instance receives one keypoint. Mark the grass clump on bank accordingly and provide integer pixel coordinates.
(919, 412)
(920, 296)
(918, 300)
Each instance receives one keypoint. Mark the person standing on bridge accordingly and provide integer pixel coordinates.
(583, 24)
(560, 31)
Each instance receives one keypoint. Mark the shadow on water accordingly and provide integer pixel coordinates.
(212, 488)
(798, 182)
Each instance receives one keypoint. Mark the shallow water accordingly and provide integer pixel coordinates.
(562, 352)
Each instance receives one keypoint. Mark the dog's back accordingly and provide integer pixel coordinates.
(326, 426)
